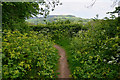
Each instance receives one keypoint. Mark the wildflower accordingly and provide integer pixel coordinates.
(21, 64)
(110, 62)
(104, 60)
(5, 40)
(90, 57)
(112, 57)
(16, 71)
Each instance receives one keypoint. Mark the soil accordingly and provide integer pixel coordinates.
(63, 65)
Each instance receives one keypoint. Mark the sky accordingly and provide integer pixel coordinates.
(79, 8)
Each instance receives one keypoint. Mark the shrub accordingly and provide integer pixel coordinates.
(28, 55)
(94, 53)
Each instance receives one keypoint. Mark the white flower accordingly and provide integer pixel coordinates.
(112, 57)
(110, 62)
(104, 60)
(117, 55)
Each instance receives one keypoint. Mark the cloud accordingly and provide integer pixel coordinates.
(78, 8)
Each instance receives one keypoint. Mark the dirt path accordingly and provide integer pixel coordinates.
(63, 65)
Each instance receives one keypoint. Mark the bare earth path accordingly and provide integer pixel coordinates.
(63, 65)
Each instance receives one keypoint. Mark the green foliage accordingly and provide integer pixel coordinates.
(15, 12)
(28, 55)
(20, 26)
(59, 30)
(94, 53)
(117, 9)
(92, 49)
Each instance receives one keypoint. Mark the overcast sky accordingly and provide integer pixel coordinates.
(79, 8)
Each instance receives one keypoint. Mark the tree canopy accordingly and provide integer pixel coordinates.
(14, 12)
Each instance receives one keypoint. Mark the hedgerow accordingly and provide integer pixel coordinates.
(59, 31)
(92, 50)
(94, 53)
(28, 55)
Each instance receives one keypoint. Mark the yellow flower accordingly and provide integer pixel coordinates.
(27, 66)
(78, 52)
(19, 47)
(28, 49)
(29, 61)
(21, 64)
(5, 40)
(82, 62)
(92, 73)
(8, 35)
(104, 73)
(118, 28)
(85, 52)
(90, 57)
(8, 43)
(16, 71)
(14, 32)
(0, 72)
(5, 73)
(18, 53)
(12, 55)
(73, 72)
(89, 76)
(115, 45)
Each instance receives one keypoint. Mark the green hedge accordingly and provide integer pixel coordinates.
(59, 30)
(28, 55)
(94, 53)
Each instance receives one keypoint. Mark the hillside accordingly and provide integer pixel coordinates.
(54, 18)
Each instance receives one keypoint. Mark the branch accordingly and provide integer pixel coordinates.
(91, 4)
(114, 3)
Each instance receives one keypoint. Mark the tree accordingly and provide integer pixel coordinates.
(117, 9)
(18, 12)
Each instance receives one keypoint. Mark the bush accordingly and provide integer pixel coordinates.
(28, 55)
(94, 53)
(59, 31)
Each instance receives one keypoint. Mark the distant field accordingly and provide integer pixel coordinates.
(54, 18)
